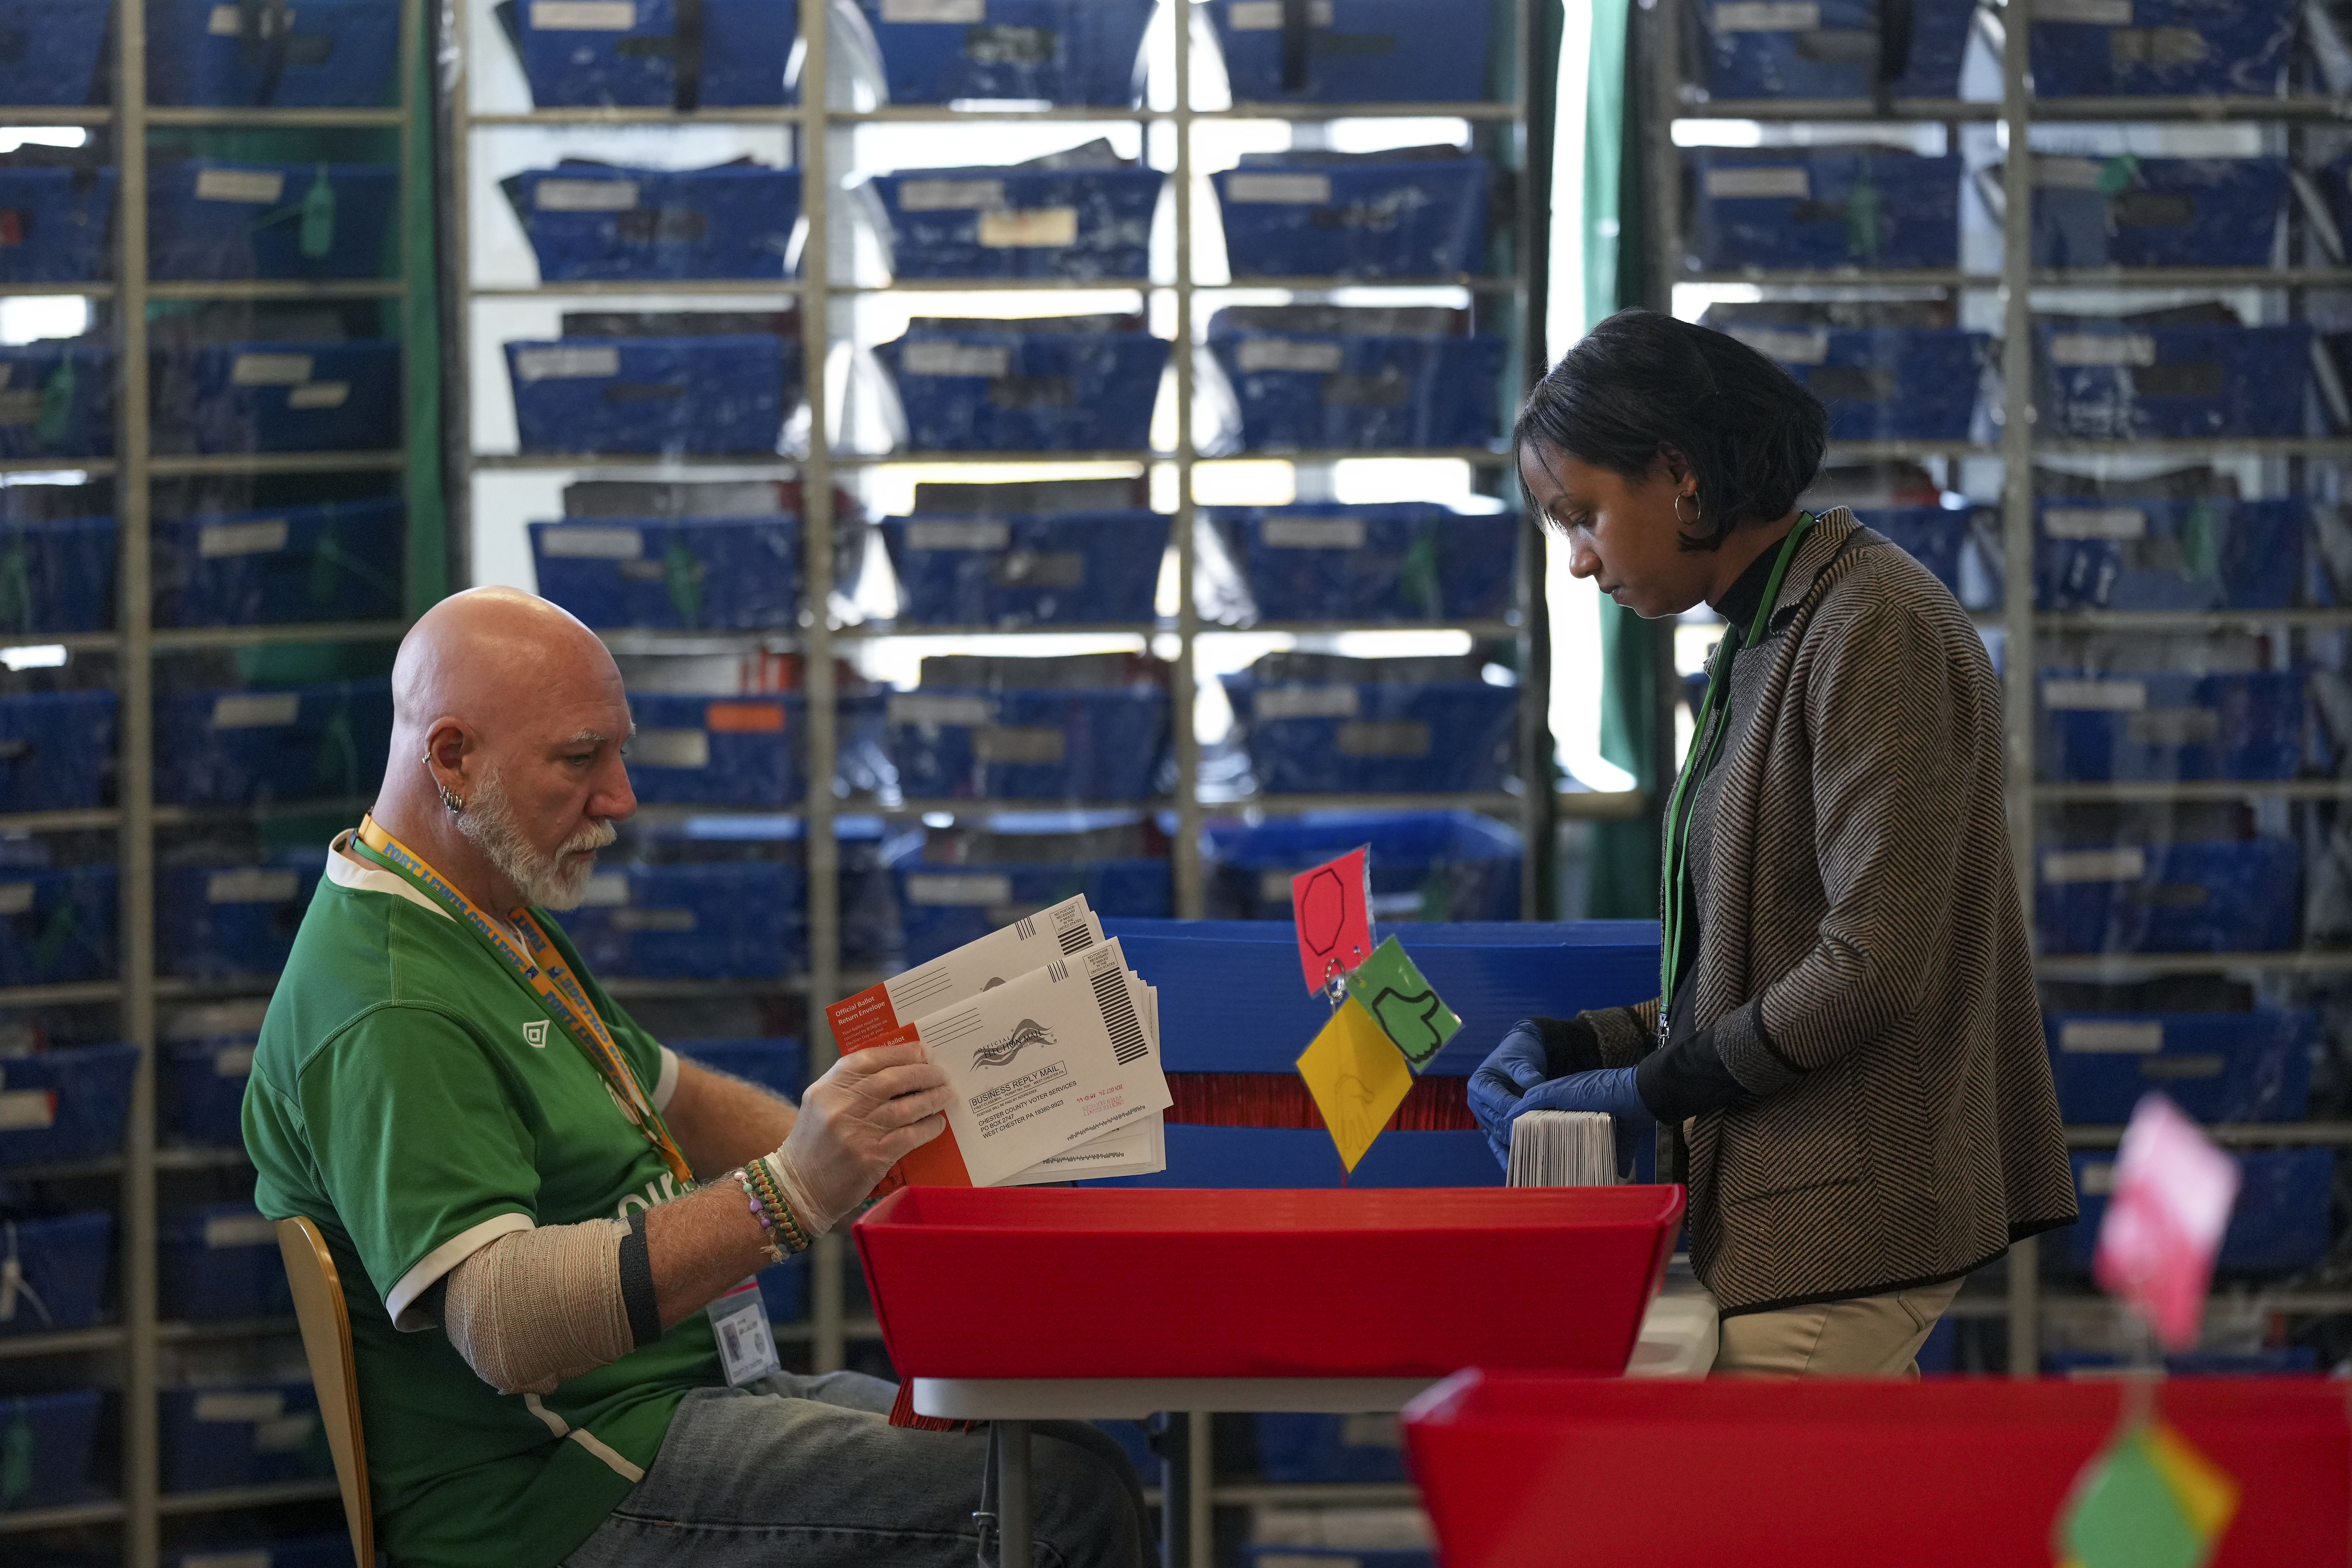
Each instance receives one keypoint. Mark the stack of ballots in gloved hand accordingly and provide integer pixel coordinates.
(1050, 1043)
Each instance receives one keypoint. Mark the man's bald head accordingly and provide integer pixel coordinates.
(488, 655)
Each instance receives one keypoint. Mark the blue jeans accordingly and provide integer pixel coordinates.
(807, 1472)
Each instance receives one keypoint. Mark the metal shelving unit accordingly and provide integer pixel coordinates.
(128, 1349)
(2023, 1296)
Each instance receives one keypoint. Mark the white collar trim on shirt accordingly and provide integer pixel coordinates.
(347, 870)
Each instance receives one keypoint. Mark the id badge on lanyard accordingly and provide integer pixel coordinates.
(747, 1345)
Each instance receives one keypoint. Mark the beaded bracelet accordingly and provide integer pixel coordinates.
(766, 1227)
(775, 1216)
(797, 1239)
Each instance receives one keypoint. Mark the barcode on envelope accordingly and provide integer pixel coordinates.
(1118, 1017)
(1071, 939)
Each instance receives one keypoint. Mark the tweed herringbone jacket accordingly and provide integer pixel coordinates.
(1851, 857)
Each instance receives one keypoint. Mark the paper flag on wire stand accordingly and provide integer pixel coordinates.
(1331, 910)
(2173, 1189)
(1405, 1005)
(1358, 1079)
(2148, 1501)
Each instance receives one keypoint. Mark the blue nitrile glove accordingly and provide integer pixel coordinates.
(1511, 1070)
(1608, 1090)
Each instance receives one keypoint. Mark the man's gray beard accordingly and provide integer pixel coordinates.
(551, 883)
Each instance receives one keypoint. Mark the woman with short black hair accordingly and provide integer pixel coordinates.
(1847, 1033)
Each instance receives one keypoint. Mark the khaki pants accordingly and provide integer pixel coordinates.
(1873, 1336)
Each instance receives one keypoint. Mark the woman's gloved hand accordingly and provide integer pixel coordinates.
(1509, 1071)
(1608, 1090)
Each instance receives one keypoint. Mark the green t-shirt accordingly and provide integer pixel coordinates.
(414, 1097)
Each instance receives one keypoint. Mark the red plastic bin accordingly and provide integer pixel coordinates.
(1172, 1282)
(1517, 1468)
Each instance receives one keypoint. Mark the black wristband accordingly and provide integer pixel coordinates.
(638, 1284)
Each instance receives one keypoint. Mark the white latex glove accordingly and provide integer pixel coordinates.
(871, 1107)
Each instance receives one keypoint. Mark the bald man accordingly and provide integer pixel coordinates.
(532, 1204)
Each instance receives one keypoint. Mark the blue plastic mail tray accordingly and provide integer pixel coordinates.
(246, 746)
(1906, 384)
(1376, 737)
(2167, 725)
(58, 1435)
(1354, 51)
(1070, 568)
(1833, 48)
(1395, 561)
(656, 54)
(278, 53)
(745, 751)
(340, 560)
(51, 51)
(1792, 209)
(2226, 895)
(2158, 212)
(1023, 389)
(687, 574)
(56, 925)
(61, 1262)
(2206, 553)
(73, 1100)
(1933, 535)
(1287, 216)
(209, 219)
(1080, 744)
(941, 908)
(778, 1065)
(58, 576)
(601, 221)
(1287, 1157)
(1065, 52)
(1349, 390)
(2119, 380)
(1311, 1449)
(706, 396)
(2253, 1066)
(736, 920)
(203, 1098)
(2161, 49)
(214, 921)
(2280, 1222)
(57, 750)
(1231, 998)
(243, 1435)
(278, 396)
(220, 1261)
(1426, 866)
(1074, 224)
(54, 222)
(57, 399)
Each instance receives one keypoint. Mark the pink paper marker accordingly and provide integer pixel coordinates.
(2172, 1189)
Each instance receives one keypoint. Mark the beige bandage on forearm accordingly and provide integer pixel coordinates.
(535, 1306)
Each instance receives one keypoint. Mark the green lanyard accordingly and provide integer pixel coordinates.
(1676, 928)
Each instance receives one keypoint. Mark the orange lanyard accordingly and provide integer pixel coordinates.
(543, 970)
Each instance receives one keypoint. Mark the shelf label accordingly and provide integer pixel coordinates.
(2174, 726)
(959, 535)
(27, 1109)
(286, 1433)
(566, 364)
(2100, 1036)
(256, 711)
(240, 184)
(1313, 533)
(934, 10)
(1787, 347)
(16, 897)
(582, 16)
(585, 195)
(653, 919)
(2094, 522)
(1018, 744)
(671, 749)
(269, 370)
(1772, 17)
(2127, 865)
(2099, 1179)
(2095, 13)
(2068, 174)
(2095, 350)
(956, 359)
(1030, 228)
(1306, 703)
(2094, 696)
(215, 540)
(744, 718)
(252, 887)
(2199, 1066)
(320, 395)
(958, 892)
(227, 1230)
(950, 195)
(914, 707)
(1793, 180)
(593, 544)
(1040, 569)
(267, 1405)
(1278, 190)
(1256, 354)
(1265, 16)
(1274, 886)
(232, 1061)
(1383, 738)
(606, 890)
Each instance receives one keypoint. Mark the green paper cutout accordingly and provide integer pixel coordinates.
(57, 403)
(2126, 1516)
(1407, 1006)
(2117, 174)
(682, 572)
(317, 236)
(1862, 216)
(17, 1459)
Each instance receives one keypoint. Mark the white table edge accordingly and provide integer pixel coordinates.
(1133, 1398)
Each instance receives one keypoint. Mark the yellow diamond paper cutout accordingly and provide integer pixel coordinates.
(1358, 1077)
(2206, 1493)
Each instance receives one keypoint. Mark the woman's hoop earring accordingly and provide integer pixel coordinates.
(1696, 516)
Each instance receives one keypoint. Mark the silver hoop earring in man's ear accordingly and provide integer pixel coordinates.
(451, 801)
(1696, 516)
